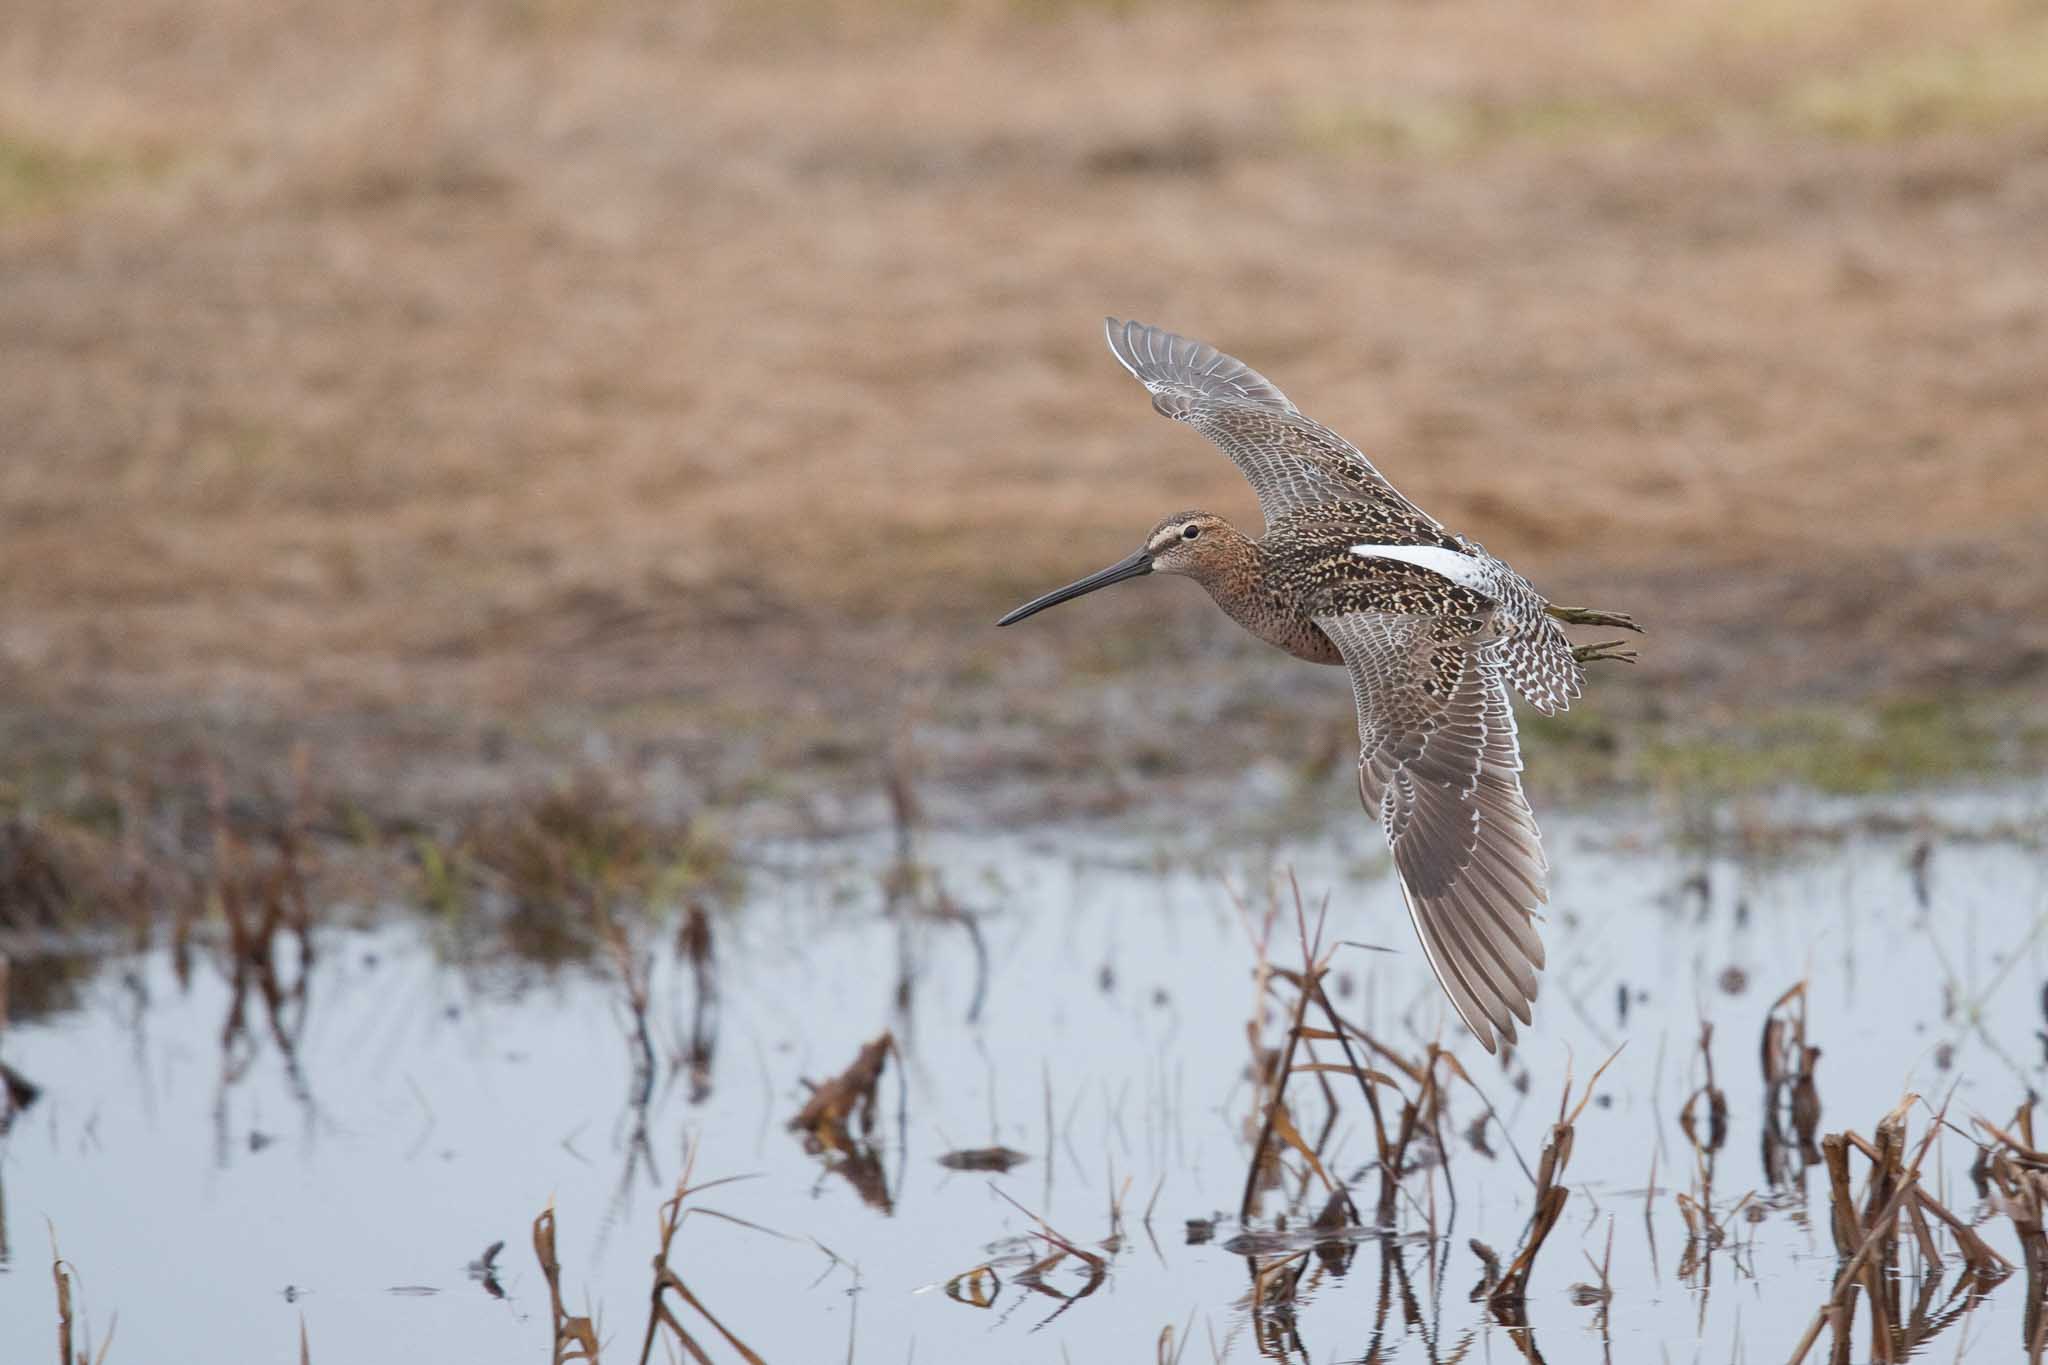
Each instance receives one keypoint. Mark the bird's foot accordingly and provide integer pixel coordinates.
(1587, 616)
(1604, 651)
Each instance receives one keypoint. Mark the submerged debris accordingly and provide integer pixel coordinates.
(1058, 1249)
(977, 1288)
(832, 1105)
(484, 1270)
(997, 1159)
(837, 1108)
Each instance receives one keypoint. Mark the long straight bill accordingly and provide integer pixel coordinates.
(1135, 566)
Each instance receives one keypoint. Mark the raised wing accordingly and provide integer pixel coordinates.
(1439, 764)
(1290, 460)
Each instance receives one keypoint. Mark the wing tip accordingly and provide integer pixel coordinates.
(1117, 332)
(1167, 361)
(1487, 998)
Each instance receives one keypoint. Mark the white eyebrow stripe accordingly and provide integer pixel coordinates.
(1461, 569)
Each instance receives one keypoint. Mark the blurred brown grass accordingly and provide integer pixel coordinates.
(505, 355)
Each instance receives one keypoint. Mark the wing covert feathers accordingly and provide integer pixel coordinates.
(1536, 657)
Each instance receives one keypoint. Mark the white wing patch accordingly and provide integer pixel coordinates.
(1461, 569)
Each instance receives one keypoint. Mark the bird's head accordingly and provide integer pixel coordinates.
(1193, 543)
(1197, 544)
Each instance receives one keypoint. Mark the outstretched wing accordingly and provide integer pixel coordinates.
(1439, 764)
(1290, 460)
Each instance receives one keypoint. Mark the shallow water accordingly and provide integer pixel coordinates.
(440, 1095)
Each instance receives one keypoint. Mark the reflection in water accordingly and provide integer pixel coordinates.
(17, 1094)
(262, 899)
(693, 945)
(1704, 1121)
(1791, 1099)
(281, 996)
(1397, 1285)
(914, 898)
(632, 968)
(859, 1164)
(1094, 1271)
(484, 1270)
(1600, 1297)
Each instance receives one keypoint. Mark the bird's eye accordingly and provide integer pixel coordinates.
(1190, 533)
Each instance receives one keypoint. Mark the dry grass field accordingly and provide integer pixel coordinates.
(730, 365)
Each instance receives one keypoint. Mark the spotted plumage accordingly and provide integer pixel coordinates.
(1433, 629)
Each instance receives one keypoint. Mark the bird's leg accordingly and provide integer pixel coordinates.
(1605, 650)
(1587, 616)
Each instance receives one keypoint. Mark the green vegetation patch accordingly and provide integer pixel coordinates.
(37, 176)
(1437, 128)
(1846, 751)
(1991, 84)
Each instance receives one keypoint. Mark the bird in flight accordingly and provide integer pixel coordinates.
(1434, 630)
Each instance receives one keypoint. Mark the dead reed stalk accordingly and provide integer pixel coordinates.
(666, 1282)
(1277, 1128)
(63, 1279)
(68, 1329)
(1511, 1289)
(575, 1337)
(2015, 1176)
(1276, 1121)
(1868, 1235)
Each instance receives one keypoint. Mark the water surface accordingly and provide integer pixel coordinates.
(435, 1093)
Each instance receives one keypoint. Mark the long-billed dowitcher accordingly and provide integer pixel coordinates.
(1433, 629)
